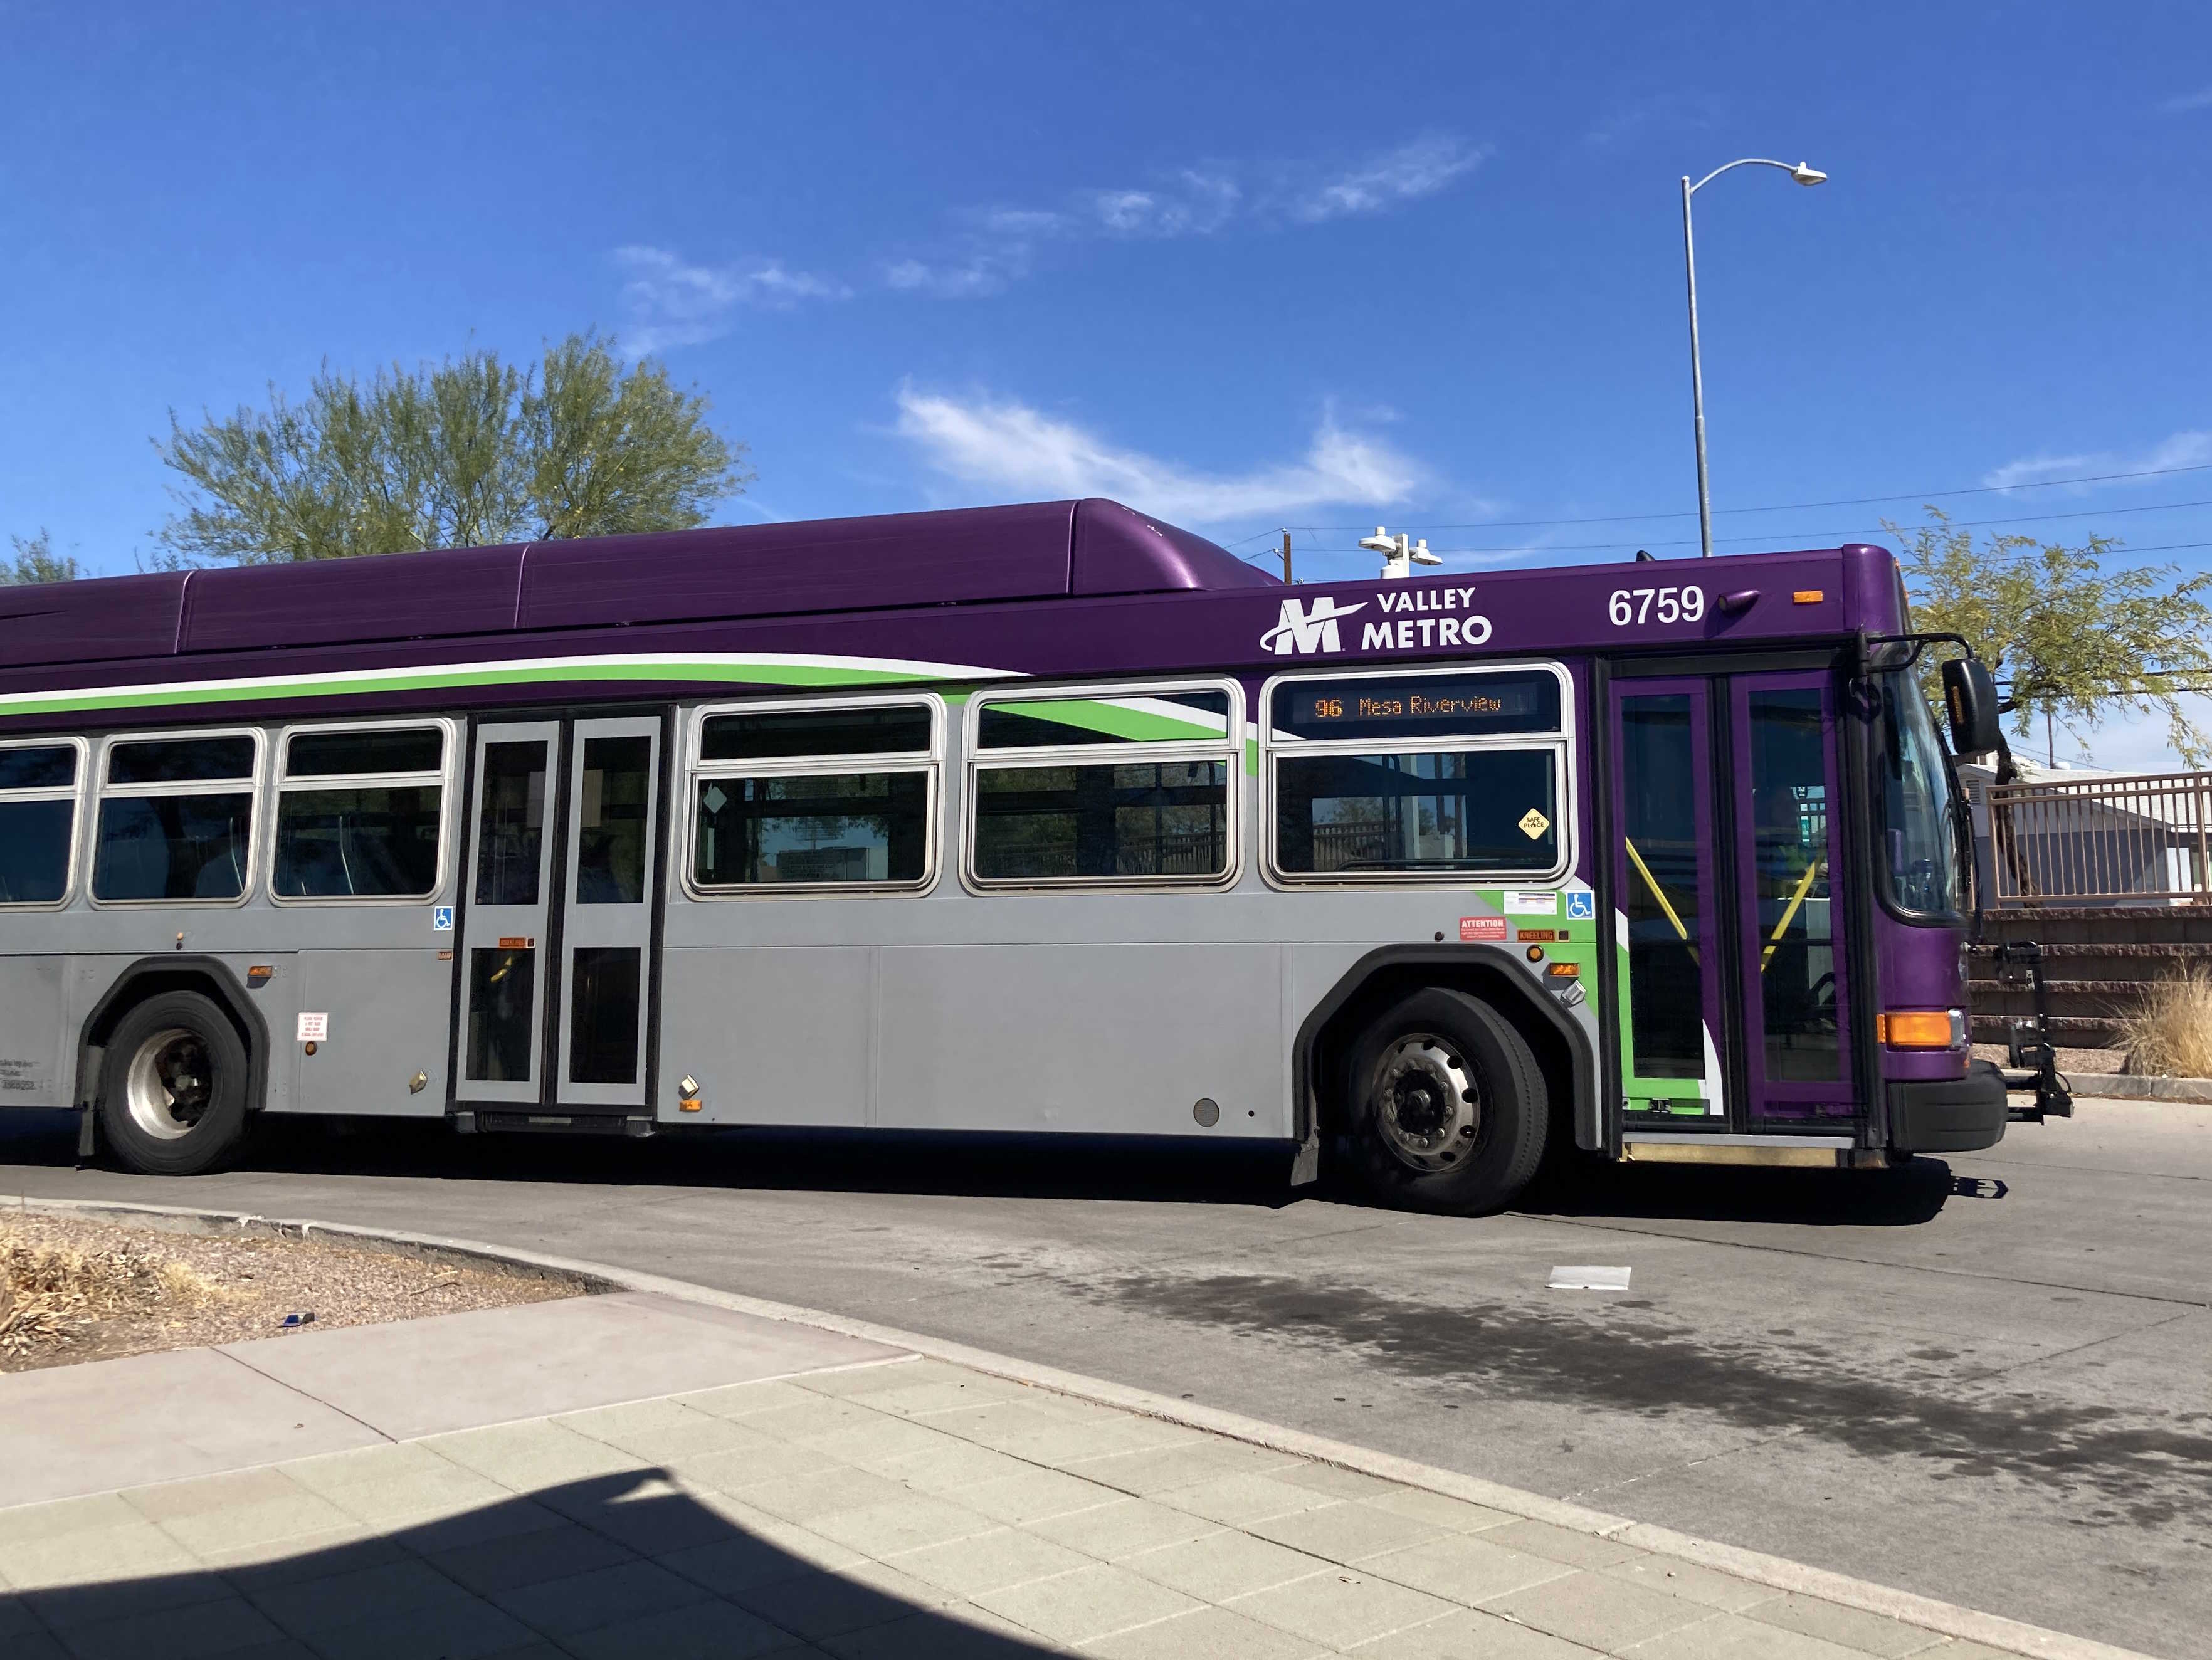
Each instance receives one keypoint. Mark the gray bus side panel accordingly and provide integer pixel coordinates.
(387, 1016)
(1117, 1039)
(33, 1050)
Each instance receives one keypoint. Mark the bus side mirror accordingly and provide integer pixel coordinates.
(1969, 698)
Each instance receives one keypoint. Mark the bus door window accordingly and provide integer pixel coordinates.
(511, 824)
(613, 793)
(503, 983)
(1795, 944)
(1663, 874)
(1789, 959)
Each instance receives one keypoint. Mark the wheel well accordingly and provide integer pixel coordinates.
(1328, 1048)
(211, 980)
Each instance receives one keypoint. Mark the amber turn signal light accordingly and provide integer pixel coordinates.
(1919, 1029)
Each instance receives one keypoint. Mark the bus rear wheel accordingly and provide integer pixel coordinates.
(1448, 1106)
(172, 1094)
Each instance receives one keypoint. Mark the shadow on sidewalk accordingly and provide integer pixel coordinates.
(630, 1564)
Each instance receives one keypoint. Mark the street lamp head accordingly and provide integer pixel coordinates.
(1805, 174)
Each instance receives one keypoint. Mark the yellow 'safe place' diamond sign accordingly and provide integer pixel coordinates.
(1534, 824)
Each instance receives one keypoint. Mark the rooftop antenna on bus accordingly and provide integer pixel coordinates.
(1400, 552)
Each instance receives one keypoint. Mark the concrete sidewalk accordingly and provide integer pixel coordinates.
(631, 1474)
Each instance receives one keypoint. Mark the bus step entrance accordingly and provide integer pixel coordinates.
(637, 1126)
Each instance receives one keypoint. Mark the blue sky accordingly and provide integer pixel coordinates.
(1242, 265)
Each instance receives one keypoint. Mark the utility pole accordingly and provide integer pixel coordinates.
(1286, 558)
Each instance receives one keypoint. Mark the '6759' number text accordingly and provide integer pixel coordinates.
(1661, 604)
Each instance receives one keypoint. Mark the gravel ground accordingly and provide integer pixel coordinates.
(240, 1284)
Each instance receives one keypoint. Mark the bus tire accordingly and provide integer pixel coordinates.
(1448, 1108)
(174, 1087)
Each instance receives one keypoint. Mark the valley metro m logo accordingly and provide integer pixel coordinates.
(1300, 631)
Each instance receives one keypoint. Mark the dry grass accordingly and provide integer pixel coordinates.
(2169, 1033)
(74, 1289)
(50, 1291)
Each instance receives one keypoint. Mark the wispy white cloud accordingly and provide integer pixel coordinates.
(1005, 448)
(1193, 202)
(670, 302)
(2186, 102)
(2183, 449)
(1419, 167)
(996, 246)
(968, 277)
(1685, 111)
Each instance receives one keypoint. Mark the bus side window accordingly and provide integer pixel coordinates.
(1121, 785)
(360, 812)
(820, 797)
(176, 819)
(38, 822)
(1438, 775)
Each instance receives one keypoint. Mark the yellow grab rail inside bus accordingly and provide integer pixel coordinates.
(1788, 915)
(1660, 894)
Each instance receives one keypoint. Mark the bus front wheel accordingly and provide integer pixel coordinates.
(1448, 1106)
(173, 1093)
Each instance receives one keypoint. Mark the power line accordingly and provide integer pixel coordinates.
(1783, 506)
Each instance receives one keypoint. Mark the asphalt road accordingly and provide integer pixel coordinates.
(1988, 1380)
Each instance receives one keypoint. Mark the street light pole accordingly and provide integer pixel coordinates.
(1696, 381)
(1804, 175)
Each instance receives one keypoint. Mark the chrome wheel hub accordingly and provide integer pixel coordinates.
(1426, 1104)
(169, 1083)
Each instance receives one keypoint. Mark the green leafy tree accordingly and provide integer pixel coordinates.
(466, 452)
(35, 561)
(2076, 641)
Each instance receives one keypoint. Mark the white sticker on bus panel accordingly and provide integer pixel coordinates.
(1531, 903)
(313, 1028)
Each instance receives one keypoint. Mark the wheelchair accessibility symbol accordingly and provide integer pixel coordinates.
(441, 919)
(1581, 907)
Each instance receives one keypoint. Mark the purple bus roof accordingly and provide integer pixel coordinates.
(1051, 589)
(1039, 551)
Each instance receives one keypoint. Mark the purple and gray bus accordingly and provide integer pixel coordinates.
(1049, 818)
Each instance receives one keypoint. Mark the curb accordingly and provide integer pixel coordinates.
(2126, 1086)
(1778, 1574)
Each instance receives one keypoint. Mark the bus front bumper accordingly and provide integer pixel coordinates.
(1949, 1115)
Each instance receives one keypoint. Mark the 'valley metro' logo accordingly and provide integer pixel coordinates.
(1300, 631)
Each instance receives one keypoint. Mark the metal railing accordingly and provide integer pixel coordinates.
(2098, 840)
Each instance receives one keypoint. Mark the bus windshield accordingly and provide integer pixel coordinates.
(1919, 856)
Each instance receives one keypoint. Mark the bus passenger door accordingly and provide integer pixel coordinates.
(1666, 922)
(606, 927)
(1790, 959)
(504, 936)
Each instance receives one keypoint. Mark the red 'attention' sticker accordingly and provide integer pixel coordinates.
(1481, 928)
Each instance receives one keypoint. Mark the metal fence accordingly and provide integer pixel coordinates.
(2098, 839)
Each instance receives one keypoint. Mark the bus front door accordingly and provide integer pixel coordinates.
(1733, 1015)
(556, 936)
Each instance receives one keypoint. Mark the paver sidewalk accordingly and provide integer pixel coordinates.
(883, 1506)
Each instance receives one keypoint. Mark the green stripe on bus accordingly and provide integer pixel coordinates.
(1115, 720)
(765, 674)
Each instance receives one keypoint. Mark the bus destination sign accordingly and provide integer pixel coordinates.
(1395, 707)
